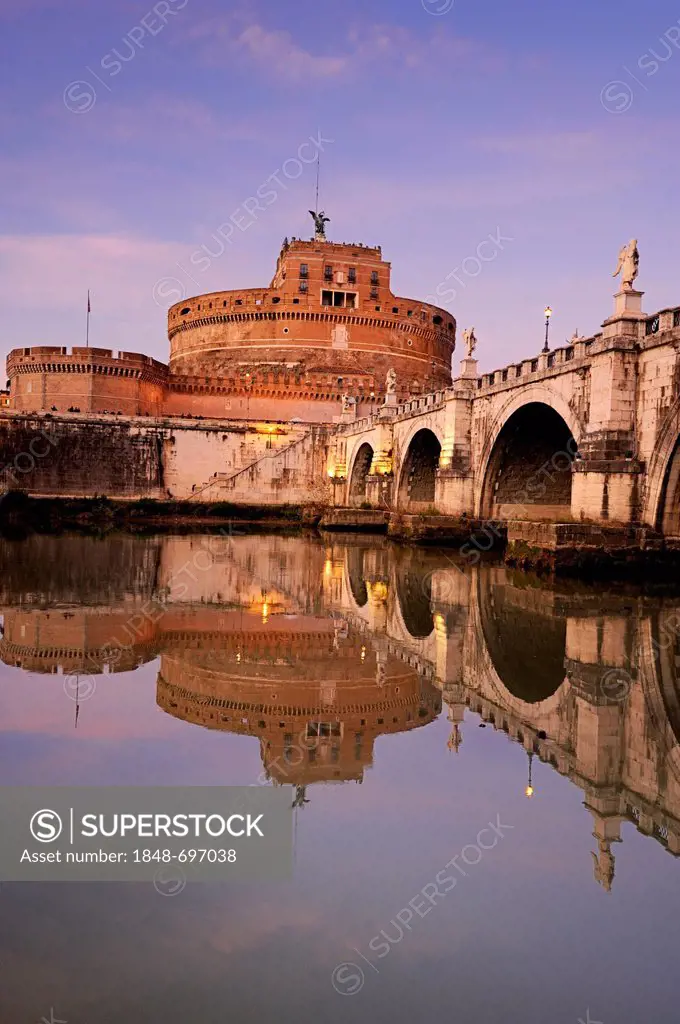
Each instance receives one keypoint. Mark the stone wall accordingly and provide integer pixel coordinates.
(75, 456)
(132, 458)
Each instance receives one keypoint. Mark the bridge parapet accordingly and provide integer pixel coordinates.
(546, 364)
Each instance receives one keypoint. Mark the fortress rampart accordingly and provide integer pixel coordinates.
(89, 379)
(327, 328)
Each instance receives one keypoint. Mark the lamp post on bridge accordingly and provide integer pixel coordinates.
(548, 314)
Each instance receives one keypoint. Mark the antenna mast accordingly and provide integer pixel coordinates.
(318, 162)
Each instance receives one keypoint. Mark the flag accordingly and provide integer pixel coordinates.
(89, 308)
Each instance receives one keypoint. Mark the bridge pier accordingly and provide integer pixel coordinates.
(454, 484)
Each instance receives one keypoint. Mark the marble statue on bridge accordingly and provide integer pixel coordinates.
(470, 340)
(628, 265)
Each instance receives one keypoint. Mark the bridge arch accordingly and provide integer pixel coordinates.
(361, 466)
(418, 476)
(662, 495)
(527, 458)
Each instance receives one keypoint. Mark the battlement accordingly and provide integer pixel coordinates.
(31, 359)
(328, 248)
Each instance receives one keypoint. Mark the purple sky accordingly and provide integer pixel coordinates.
(448, 126)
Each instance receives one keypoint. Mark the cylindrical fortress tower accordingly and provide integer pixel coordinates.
(328, 319)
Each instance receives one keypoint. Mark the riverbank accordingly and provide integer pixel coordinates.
(20, 512)
(580, 550)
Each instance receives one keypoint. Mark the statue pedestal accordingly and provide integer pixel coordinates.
(628, 301)
(468, 367)
(468, 373)
(627, 314)
(388, 410)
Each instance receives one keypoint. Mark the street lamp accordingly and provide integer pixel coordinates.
(548, 314)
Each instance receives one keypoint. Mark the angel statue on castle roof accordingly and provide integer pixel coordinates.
(320, 221)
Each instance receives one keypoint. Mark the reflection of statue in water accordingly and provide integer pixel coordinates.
(320, 221)
(300, 797)
(391, 382)
(470, 341)
(629, 262)
(455, 739)
(603, 863)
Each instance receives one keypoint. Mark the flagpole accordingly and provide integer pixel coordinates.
(87, 333)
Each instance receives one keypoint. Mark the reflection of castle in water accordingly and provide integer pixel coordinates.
(313, 692)
(318, 650)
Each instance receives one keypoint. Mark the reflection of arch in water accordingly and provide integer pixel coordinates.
(360, 470)
(666, 647)
(355, 572)
(414, 593)
(529, 465)
(526, 645)
(659, 676)
(419, 471)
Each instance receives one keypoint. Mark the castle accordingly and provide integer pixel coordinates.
(327, 328)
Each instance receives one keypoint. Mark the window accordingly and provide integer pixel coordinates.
(304, 270)
(395, 309)
(304, 287)
(340, 300)
(374, 277)
(185, 311)
(315, 729)
(328, 273)
(374, 293)
(352, 275)
(437, 319)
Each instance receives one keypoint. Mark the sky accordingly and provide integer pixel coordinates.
(500, 154)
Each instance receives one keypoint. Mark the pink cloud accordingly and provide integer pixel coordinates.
(277, 53)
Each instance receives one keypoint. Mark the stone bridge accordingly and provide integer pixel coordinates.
(588, 431)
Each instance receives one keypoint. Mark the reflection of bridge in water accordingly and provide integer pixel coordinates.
(317, 650)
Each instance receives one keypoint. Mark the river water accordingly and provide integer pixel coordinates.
(485, 769)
